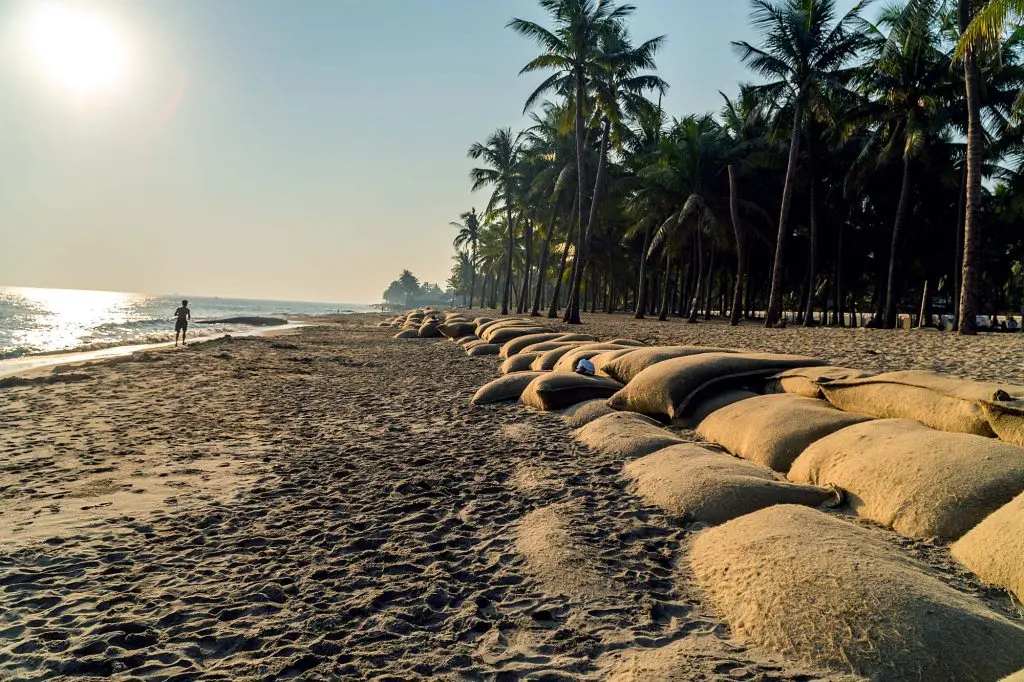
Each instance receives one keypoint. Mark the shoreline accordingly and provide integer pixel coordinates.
(27, 364)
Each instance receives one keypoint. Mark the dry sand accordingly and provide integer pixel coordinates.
(328, 505)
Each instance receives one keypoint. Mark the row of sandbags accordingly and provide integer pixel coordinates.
(792, 447)
(424, 323)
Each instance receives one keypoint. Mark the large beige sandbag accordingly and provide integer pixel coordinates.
(1016, 677)
(921, 482)
(493, 328)
(506, 334)
(456, 330)
(630, 343)
(1005, 417)
(430, 330)
(567, 363)
(560, 342)
(804, 380)
(555, 391)
(994, 549)
(772, 430)
(602, 359)
(467, 339)
(549, 358)
(407, 334)
(699, 484)
(628, 366)
(482, 349)
(581, 414)
(666, 389)
(482, 327)
(940, 401)
(625, 434)
(801, 583)
(517, 345)
(710, 402)
(518, 363)
(508, 387)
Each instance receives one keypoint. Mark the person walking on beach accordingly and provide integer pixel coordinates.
(183, 315)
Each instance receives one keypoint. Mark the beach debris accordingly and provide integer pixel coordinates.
(804, 584)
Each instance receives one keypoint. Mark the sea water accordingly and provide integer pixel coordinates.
(39, 321)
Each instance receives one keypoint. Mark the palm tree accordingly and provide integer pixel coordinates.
(908, 82)
(803, 48)
(571, 50)
(467, 238)
(501, 153)
(620, 89)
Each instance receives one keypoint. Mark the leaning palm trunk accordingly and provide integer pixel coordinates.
(972, 227)
(775, 297)
(695, 304)
(897, 232)
(553, 310)
(544, 262)
(572, 310)
(741, 250)
(663, 313)
(641, 292)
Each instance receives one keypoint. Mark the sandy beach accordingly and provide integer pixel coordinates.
(328, 505)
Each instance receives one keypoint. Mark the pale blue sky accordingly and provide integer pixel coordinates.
(273, 149)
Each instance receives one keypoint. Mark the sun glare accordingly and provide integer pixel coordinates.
(78, 50)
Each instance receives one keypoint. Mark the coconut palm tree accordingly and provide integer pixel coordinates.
(571, 48)
(467, 238)
(501, 152)
(805, 46)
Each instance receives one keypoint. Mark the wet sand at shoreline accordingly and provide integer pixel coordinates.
(328, 505)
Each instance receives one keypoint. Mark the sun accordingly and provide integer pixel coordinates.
(79, 51)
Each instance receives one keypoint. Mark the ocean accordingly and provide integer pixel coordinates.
(45, 321)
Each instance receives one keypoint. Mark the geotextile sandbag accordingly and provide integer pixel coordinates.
(699, 484)
(506, 334)
(549, 358)
(1005, 417)
(482, 327)
(772, 430)
(482, 349)
(550, 345)
(666, 390)
(407, 334)
(567, 363)
(626, 434)
(509, 387)
(943, 402)
(494, 327)
(804, 380)
(430, 330)
(600, 360)
(581, 414)
(467, 339)
(518, 363)
(711, 402)
(994, 549)
(921, 482)
(517, 345)
(629, 365)
(629, 343)
(456, 330)
(806, 585)
(555, 391)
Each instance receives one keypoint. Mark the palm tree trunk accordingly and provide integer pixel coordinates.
(897, 232)
(506, 294)
(972, 226)
(812, 267)
(958, 234)
(553, 309)
(541, 279)
(840, 295)
(741, 250)
(775, 297)
(666, 279)
(472, 278)
(695, 304)
(572, 311)
(641, 296)
(707, 293)
(528, 246)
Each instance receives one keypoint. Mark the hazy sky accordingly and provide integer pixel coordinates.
(273, 149)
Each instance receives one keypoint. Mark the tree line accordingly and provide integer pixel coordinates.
(872, 167)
